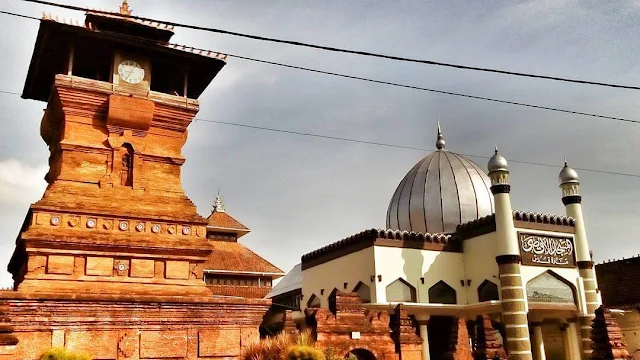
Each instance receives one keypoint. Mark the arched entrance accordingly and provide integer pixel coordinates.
(360, 354)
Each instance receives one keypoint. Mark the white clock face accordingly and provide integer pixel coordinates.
(130, 71)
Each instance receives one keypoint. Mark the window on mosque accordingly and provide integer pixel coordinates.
(549, 287)
(401, 291)
(488, 291)
(364, 292)
(314, 301)
(441, 293)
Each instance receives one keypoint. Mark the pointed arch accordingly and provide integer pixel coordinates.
(400, 291)
(442, 293)
(313, 302)
(488, 291)
(549, 287)
(364, 292)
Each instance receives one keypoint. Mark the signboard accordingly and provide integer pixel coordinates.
(355, 335)
(544, 250)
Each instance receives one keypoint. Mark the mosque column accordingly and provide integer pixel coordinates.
(423, 322)
(537, 342)
(514, 306)
(574, 338)
(572, 201)
(566, 342)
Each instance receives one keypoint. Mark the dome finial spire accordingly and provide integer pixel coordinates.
(124, 8)
(440, 141)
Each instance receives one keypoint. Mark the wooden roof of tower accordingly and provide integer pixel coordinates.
(220, 221)
(113, 30)
(229, 256)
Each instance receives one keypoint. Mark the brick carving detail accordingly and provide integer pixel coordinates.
(606, 338)
(459, 347)
(489, 343)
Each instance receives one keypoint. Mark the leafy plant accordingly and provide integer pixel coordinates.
(272, 348)
(304, 352)
(63, 354)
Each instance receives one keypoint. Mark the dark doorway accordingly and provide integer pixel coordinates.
(439, 329)
(361, 354)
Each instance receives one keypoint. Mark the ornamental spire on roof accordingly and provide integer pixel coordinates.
(218, 204)
(124, 8)
(440, 142)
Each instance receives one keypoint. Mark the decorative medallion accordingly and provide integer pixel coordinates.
(155, 228)
(140, 226)
(186, 230)
(171, 229)
(91, 223)
(539, 250)
(123, 225)
(55, 220)
(121, 267)
(73, 221)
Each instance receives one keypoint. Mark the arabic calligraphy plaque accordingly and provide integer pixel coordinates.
(544, 250)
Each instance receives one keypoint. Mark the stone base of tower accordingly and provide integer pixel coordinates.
(125, 327)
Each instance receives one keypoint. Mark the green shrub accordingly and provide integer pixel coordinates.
(304, 352)
(63, 354)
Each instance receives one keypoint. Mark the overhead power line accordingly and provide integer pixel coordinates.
(375, 143)
(406, 86)
(340, 50)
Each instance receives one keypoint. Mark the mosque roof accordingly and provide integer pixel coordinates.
(618, 282)
(290, 282)
(441, 191)
(221, 221)
(381, 237)
(232, 257)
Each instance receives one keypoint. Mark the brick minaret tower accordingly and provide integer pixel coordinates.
(110, 260)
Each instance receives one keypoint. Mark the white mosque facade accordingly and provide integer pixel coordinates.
(454, 247)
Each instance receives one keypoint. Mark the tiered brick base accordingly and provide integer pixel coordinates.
(606, 338)
(123, 327)
(489, 344)
(459, 347)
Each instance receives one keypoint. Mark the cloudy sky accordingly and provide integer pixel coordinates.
(299, 193)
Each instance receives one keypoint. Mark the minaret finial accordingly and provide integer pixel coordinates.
(565, 161)
(218, 204)
(440, 141)
(124, 8)
(496, 148)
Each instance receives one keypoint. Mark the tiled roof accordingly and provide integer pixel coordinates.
(290, 282)
(224, 221)
(229, 256)
(618, 282)
(487, 224)
(373, 234)
(183, 48)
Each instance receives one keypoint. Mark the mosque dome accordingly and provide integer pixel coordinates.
(567, 175)
(497, 163)
(441, 191)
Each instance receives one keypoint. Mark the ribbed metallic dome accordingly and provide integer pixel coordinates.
(441, 191)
